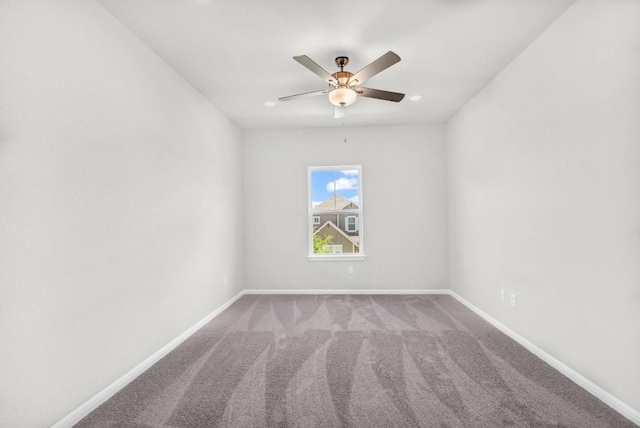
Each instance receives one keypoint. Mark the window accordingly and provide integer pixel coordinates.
(351, 223)
(335, 212)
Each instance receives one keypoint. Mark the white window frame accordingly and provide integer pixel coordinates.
(316, 220)
(359, 213)
(346, 223)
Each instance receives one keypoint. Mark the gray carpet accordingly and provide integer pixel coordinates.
(351, 361)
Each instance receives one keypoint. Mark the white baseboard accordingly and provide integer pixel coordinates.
(613, 402)
(343, 291)
(77, 415)
(616, 404)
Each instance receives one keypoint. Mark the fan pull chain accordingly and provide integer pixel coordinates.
(345, 137)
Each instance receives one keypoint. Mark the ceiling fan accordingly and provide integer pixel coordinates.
(344, 86)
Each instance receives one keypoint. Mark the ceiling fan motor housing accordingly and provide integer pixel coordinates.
(342, 77)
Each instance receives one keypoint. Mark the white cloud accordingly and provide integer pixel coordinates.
(315, 203)
(355, 199)
(350, 172)
(342, 183)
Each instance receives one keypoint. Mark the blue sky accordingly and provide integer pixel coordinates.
(323, 183)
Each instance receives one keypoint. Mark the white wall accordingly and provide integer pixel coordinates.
(120, 206)
(543, 173)
(403, 181)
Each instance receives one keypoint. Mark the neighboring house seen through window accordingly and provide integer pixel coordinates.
(335, 212)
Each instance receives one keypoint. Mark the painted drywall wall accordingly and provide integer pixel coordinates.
(543, 176)
(120, 212)
(403, 179)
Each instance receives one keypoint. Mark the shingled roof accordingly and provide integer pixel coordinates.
(336, 202)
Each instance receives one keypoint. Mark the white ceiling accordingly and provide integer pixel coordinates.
(238, 54)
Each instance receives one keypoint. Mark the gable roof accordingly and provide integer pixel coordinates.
(354, 239)
(336, 202)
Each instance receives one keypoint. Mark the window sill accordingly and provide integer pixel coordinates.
(333, 257)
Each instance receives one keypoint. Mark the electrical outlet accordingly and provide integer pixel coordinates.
(513, 300)
(502, 294)
(350, 270)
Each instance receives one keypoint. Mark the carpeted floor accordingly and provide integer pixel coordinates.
(351, 361)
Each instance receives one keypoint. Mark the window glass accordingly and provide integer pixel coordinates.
(351, 223)
(335, 209)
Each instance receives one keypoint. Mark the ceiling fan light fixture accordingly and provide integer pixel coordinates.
(342, 96)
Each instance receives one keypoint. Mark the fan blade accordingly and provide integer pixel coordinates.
(382, 63)
(311, 65)
(304, 95)
(340, 112)
(381, 95)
